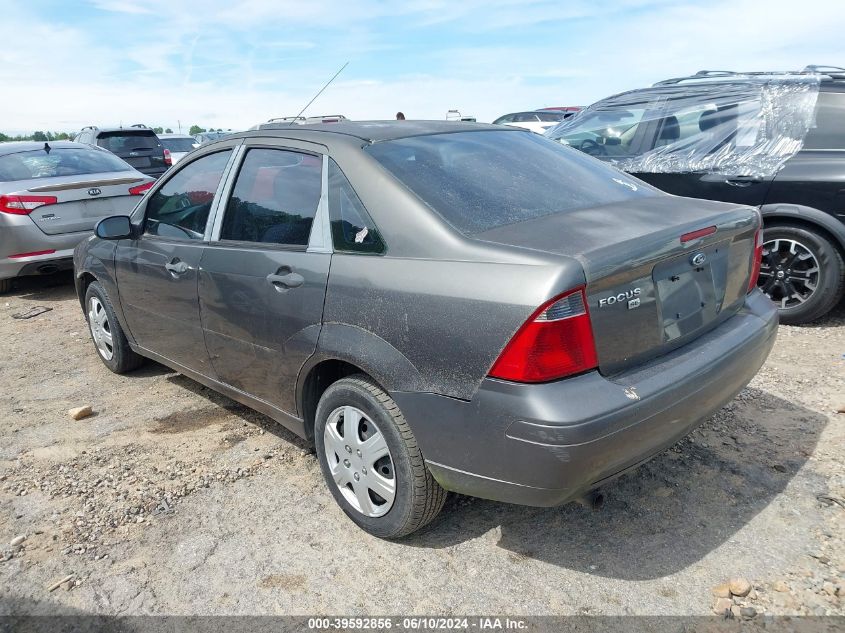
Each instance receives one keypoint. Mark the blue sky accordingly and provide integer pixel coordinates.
(65, 64)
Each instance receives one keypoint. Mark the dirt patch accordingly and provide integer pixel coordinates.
(174, 499)
(288, 582)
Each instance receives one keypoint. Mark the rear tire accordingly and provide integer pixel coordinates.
(797, 302)
(108, 337)
(416, 497)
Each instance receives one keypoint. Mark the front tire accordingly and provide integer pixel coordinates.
(371, 462)
(802, 272)
(106, 333)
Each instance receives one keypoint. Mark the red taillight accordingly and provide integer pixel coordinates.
(556, 341)
(168, 160)
(757, 260)
(24, 205)
(694, 235)
(139, 190)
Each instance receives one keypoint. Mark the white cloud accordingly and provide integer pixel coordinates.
(205, 63)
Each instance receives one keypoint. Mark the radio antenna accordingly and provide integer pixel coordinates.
(319, 93)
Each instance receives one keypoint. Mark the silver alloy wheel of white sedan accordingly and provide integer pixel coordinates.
(360, 461)
(98, 321)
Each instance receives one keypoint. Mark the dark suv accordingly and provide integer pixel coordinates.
(138, 145)
(772, 140)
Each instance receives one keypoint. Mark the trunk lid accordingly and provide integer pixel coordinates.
(647, 291)
(82, 200)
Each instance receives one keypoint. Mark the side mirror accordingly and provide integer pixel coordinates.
(115, 227)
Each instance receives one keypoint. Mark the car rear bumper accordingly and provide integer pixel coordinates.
(20, 235)
(545, 444)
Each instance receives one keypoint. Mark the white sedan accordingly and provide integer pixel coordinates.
(537, 121)
(178, 145)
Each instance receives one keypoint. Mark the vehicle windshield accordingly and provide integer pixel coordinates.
(179, 144)
(61, 161)
(482, 180)
(605, 132)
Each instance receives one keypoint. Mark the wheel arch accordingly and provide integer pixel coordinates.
(344, 350)
(808, 218)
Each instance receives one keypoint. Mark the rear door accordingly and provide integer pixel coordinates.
(157, 272)
(709, 129)
(263, 275)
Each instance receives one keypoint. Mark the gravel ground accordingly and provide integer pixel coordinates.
(173, 499)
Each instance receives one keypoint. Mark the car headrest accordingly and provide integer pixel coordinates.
(671, 129)
(713, 118)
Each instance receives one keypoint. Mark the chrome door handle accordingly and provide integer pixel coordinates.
(176, 267)
(285, 282)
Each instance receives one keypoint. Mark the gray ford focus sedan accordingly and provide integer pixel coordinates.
(437, 306)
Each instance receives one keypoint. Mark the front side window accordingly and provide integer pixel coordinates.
(180, 208)
(478, 181)
(353, 230)
(609, 132)
(275, 198)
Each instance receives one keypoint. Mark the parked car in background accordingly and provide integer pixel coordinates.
(772, 140)
(207, 137)
(51, 195)
(178, 145)
(572, 109)
(537, 121)
(302, 120)
(437, 305)
(138, 145)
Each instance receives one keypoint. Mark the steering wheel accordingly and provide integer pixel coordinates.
(589, 146)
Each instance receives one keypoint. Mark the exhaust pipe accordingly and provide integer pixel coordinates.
(593, 500)
(48, 269)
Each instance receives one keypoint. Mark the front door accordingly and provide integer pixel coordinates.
(157, 273)
(261, 288)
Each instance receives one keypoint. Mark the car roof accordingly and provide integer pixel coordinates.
(369, 131)
(132, 130)
(28, 146)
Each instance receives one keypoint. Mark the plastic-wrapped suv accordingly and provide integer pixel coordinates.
(772, 140)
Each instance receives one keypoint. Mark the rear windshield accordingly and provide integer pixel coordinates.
(70, 161)
(124, 141)
(179, 144)
(482, 180)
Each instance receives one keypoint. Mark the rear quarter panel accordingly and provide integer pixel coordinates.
(449, 319)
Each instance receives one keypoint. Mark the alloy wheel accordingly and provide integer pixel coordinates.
(789, 272)
(98, 321)
(360, 461)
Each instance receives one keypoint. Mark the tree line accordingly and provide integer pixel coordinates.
(44, 137)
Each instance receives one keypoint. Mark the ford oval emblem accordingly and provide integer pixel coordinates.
(94, 192)
(698, 259)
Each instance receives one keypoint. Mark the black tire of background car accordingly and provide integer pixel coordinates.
(419, 498)
(124, 359)
(831, 273)
(5, 285)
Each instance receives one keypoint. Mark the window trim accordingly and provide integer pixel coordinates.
(172, 173)
(316, 239)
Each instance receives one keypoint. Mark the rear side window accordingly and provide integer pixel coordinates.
(353, 230)
(179, 209)
(125, 141)
(58, 162)
(275, 198)
(829, 131)
(482, 180)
